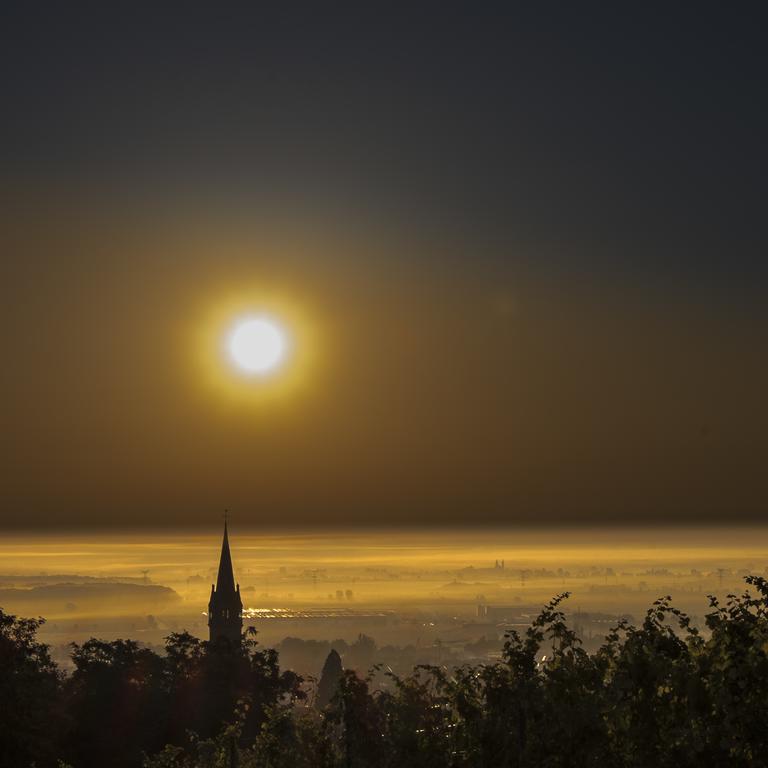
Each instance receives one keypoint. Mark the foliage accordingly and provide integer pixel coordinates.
(29, 685)
(659, 694)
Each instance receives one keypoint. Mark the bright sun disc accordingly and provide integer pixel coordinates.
(257, 345)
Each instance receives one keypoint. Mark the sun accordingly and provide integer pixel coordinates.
(257, 345)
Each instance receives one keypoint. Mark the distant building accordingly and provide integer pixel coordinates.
(329, 680)
(225, 608)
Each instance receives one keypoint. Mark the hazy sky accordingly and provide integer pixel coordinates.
(522, 254)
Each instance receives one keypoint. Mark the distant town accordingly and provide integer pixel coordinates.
(397, 615)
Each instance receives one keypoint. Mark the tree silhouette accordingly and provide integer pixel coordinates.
(29, 695)
(659, 694)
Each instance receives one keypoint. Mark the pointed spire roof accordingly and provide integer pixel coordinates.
(225, 581)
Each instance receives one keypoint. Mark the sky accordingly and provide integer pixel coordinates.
(520, 252)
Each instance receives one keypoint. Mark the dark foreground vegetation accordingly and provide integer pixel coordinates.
(660, 694)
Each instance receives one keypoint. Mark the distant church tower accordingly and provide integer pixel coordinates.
(225, 608)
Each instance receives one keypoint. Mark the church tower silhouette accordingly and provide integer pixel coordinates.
(225, 608)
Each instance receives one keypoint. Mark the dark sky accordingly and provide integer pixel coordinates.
(524, 250)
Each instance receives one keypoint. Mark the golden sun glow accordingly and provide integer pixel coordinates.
(257, 345)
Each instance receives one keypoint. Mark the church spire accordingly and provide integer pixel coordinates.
(225, 608)
(225, 581)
